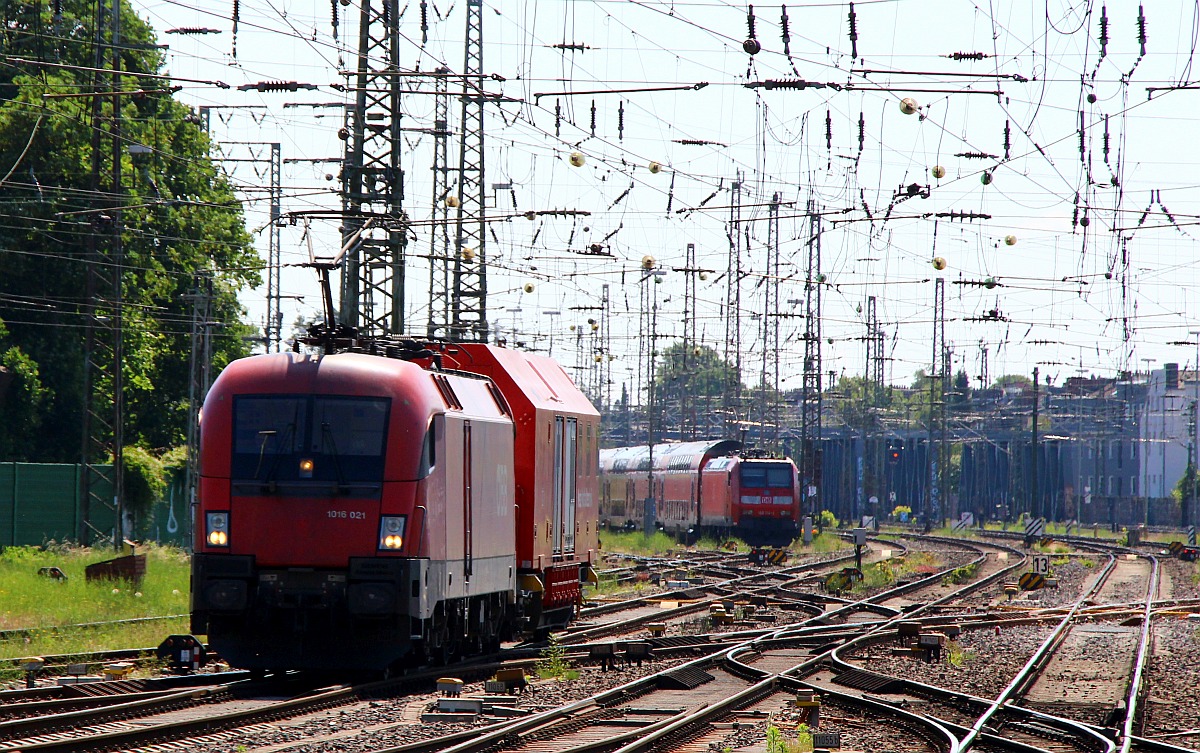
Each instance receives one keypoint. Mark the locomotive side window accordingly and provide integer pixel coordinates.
(429, 448)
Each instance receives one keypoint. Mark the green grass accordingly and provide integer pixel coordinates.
(553, 662)
(636, 542)
(48, 608)
(825, 541)
(607, 586)
(1052, 547)
(877, 575)
(961, 574)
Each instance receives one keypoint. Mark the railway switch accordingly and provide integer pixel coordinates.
(907, 633)
(118, 670)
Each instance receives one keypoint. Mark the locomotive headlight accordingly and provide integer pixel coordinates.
(391, 532)
(216, 525)
(306, 468)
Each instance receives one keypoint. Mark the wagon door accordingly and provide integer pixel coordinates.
(556, 506)
(570, 442)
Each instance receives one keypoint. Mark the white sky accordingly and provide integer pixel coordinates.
(1052, 288)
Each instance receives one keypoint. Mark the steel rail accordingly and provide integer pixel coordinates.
(1139, 663)
(1028, 672)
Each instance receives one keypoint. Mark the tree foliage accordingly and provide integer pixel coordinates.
(698, 369)
(22, 396)
(1019, 381)
(178, 218)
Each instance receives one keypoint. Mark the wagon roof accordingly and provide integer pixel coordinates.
(667, 456)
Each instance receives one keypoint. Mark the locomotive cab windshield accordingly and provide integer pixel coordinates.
(290, 444)
(766, 475)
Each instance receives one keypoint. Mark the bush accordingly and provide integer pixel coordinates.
(826, 519)
(145, 479)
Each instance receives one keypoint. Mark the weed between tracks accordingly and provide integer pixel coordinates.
(961, 574)
(47, 611)
(636, 542)
(957, 655)
(554, 664)
(778, 742)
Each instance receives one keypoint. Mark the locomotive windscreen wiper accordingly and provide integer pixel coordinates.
(327, 433)
(266, 434)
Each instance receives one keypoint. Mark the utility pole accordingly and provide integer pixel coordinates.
(649, 282)
(200, 377)
(866, 468)
(273, 326)
(1186, 512)
(1035, 505)
(103, 411)
(605, 350)
(468, 300)
(374, 225)
(768, 413)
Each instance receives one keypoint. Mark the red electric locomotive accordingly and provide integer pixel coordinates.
(361, 509)
(702, 487)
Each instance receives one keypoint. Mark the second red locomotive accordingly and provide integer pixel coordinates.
(362, 508)
(702, 488)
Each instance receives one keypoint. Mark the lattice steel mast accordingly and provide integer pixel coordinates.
(440, 254)
(810, 401)
(938, 375)
(687, 408)
(733, 308)
(768, 414)
(374, 229)
(468, 299)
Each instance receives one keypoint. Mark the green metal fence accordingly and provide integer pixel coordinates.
(42, 502)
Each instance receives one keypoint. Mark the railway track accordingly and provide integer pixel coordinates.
(733, 689)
